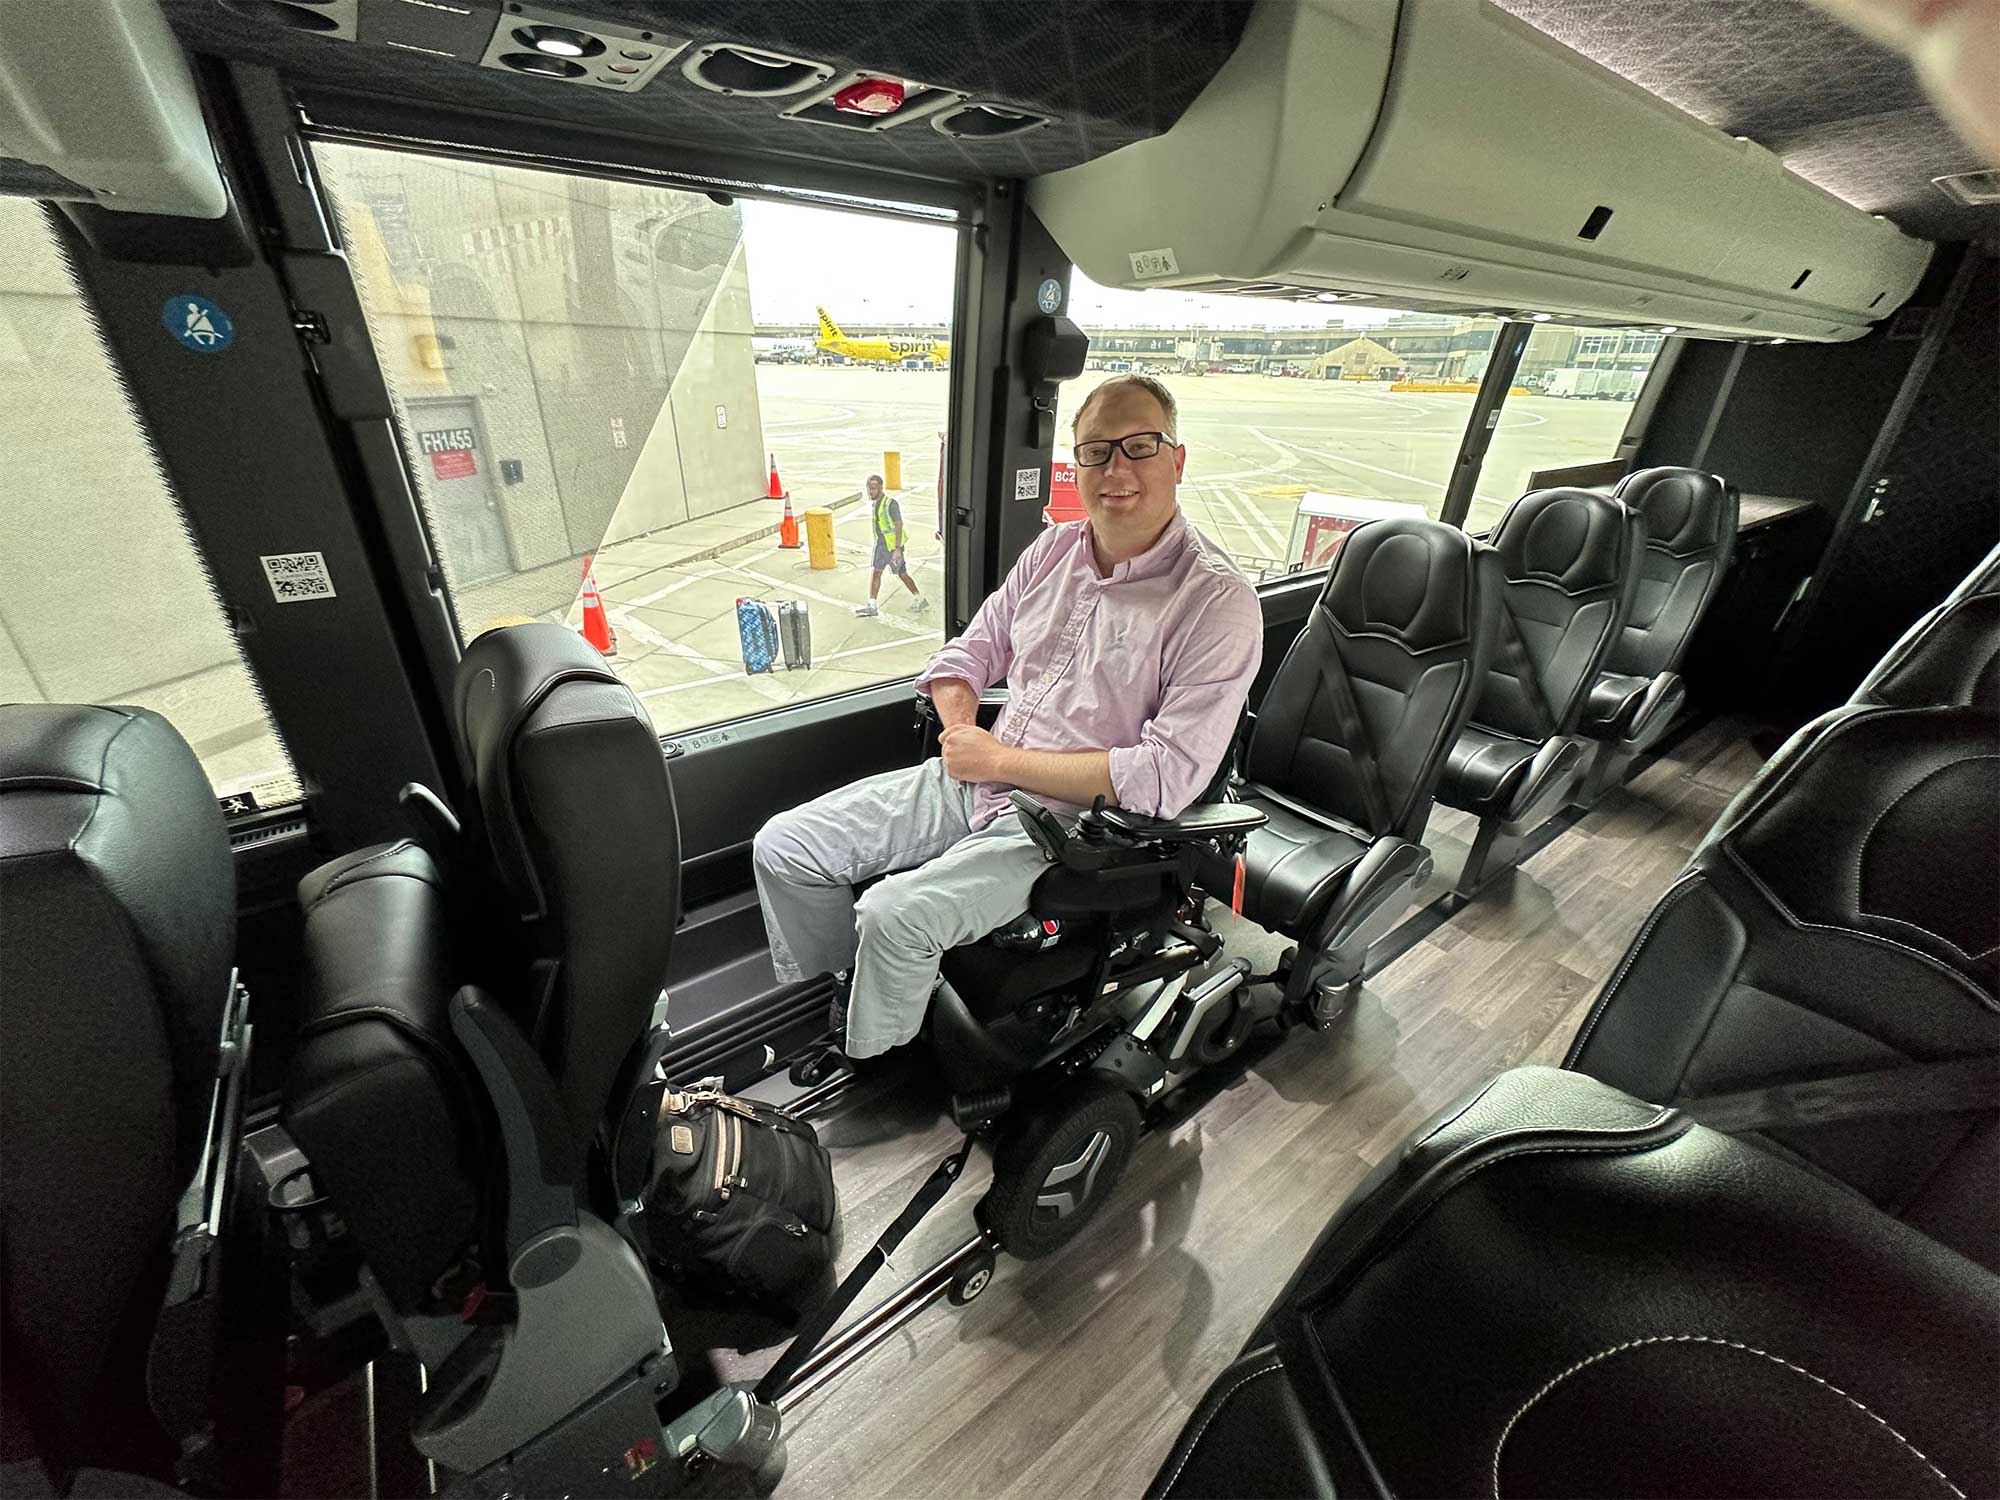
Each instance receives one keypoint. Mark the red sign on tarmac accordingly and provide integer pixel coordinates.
(455, 463)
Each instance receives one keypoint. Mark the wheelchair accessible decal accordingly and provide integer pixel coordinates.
(198, 323)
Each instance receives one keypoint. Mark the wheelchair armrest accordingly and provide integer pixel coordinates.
(1379, 885)
(1658, 707)
(1551, 777)
(1198, 824)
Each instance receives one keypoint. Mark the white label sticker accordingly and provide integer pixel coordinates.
(721, 416)
(617, 432)
(1150, 263)
(1027, 484)
(298, 576)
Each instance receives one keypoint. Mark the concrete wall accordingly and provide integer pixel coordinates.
(691, 466)
(571, 311)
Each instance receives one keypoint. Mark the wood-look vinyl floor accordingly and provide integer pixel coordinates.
(1072, 1375)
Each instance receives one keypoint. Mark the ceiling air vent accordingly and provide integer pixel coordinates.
(725, 69)
(1974, 188)
(577, 49)
(987, 122)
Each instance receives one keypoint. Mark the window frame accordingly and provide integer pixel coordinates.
(408, 528)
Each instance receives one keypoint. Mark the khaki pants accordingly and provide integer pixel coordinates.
(946, 886)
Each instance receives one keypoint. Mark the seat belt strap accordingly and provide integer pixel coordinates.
(1958, 1086)
(779, 1377)
(1354, 729)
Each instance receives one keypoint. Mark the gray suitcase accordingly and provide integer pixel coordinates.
(796, 632)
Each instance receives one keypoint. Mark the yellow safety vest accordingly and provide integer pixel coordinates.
(886, 526)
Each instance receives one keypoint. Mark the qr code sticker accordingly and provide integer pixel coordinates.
(1027, 484)
(297, 576)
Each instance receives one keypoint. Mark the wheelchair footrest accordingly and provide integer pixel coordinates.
(975, 1111)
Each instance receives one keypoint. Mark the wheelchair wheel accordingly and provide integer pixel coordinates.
(1055, 1165)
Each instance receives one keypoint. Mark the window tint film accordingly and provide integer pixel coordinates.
(1568, 405)
(625, 383)
(1302, 418)
(103, 598)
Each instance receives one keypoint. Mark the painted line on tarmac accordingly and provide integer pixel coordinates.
(818, 661)
(623, 619)
(673, 588)
(1257, 526)
(847, 604)
(1337, 458)
(841, 414)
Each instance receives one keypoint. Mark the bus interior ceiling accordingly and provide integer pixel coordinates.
(336, 335)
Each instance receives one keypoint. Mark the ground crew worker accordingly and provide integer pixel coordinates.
(891, 538)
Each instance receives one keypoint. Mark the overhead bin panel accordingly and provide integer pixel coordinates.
(1226, 191)
(1497, 172)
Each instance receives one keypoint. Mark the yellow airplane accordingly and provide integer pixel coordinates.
(879, 351)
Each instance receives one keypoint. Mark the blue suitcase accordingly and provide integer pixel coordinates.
(757, 624)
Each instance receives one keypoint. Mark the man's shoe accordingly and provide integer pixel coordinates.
(867, 611)
(919, 605)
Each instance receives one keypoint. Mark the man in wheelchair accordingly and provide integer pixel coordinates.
(1128, 641)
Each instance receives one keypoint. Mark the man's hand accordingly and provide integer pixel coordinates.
(971, 754)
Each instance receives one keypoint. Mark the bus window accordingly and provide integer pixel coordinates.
(637, 378)
(1568, 405)
(103, 598)
(1303, 418)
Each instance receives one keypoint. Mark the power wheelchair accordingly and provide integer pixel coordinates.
(1056, 1033)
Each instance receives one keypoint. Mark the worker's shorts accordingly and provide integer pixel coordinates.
(892, 559)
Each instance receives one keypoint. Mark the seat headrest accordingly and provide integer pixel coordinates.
(1571, 539)
(1686, 510)
(1408, 578)
(115, 861)
(577, 808)
(1884, 823)
(505, 677)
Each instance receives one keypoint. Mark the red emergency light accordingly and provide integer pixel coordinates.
(871, 96)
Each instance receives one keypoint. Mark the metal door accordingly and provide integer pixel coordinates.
(455, 473)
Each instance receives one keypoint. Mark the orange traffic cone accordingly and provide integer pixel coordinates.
(774, 490)
(596, 625)
(788, 529)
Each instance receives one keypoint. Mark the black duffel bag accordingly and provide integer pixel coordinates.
(741, 1200)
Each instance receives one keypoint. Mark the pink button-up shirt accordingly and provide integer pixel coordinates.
(1151, 663)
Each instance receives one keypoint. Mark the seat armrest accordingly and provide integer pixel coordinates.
(1552, 776)
(1658, 707)
(1613, 701)
(541, 1154)
(1203, 821)
(1381, 879)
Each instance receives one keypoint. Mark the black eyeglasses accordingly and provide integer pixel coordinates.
(1096, 453)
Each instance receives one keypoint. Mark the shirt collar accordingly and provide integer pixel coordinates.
(1155, 559)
